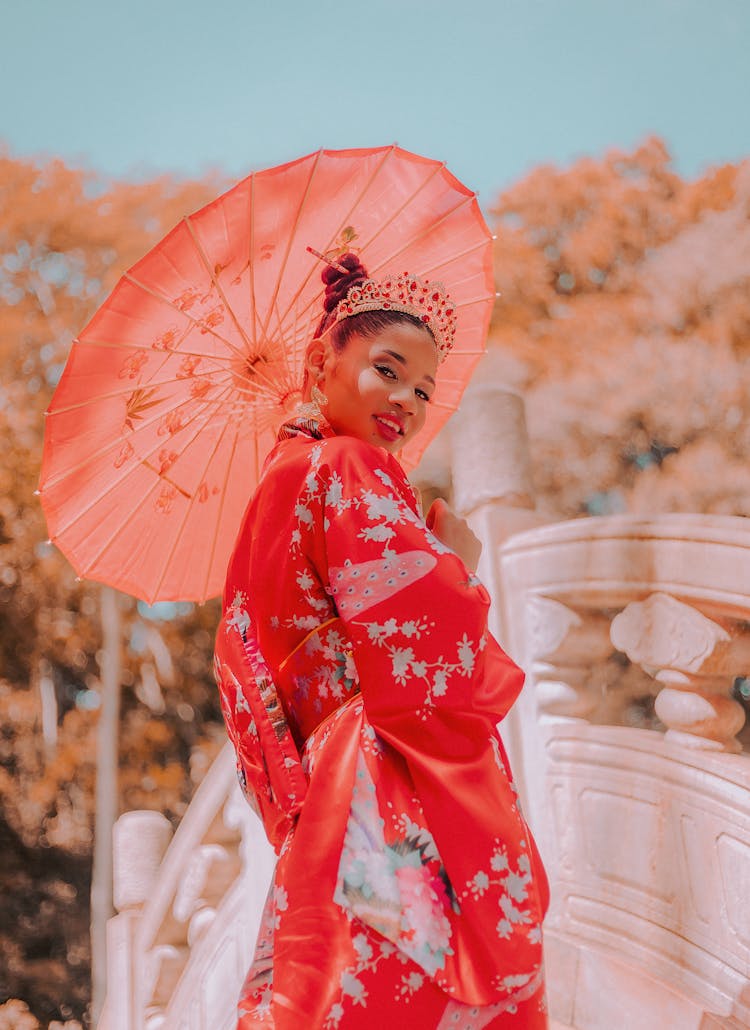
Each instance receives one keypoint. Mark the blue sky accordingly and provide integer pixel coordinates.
(492, 88)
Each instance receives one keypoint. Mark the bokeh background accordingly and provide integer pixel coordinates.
(608, 143)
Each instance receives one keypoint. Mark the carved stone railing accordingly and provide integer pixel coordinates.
(188, 910)
(628, 751)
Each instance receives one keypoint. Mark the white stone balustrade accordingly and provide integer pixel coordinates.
(645, 833)
(189, 908)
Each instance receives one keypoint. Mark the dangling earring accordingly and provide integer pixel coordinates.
(319, 399)
(312, 408)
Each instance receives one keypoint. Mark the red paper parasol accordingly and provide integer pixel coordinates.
(173, 392)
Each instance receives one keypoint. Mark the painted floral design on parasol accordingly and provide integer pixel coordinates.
(173, 393)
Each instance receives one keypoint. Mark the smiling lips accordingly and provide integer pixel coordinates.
(389, 426)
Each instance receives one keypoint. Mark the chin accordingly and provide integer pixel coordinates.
(392, 446)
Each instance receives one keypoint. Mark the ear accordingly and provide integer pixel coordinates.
(315, 359)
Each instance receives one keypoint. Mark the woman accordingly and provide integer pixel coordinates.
(408, 890)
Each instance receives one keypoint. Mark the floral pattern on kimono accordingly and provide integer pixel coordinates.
(411, 875)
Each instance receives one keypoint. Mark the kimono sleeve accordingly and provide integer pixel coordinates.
(416, 616)
(434, 685)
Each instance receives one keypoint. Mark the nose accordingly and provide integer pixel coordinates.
(402, 395)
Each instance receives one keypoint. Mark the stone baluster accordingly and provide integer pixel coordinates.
(696, 659)
(163, 966)
(566, 649)
(140, 840)
(208, 873)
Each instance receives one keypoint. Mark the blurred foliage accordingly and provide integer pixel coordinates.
(65, 237)
(624, 317)
(15, 1015)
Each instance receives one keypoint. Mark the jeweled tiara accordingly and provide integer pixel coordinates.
(421, 298)
(425, 300)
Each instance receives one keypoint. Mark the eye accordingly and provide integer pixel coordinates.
(387, 371)
(423, 395)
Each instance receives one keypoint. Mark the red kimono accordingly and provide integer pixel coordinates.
(408, 891)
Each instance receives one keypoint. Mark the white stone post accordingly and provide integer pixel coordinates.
(493, 491)
(140, 841)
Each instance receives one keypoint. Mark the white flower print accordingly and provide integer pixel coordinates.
(516, 886)
(437, 545)
(378, 632)
(512, 887)
(280, 903)
(362, 947)
(384, 478)
(499, 861)
(513, 914)
(377, 533)
(401, 659)
(440, 682)
(351, 985)
(379, 507)
(420, 836)
(304, 580)
(354, 987)
(466, 655)
(517, 980)
(410, 984)
(335, 492)
(305, 621)
(336, 1014)
(504, 930)
(304, 514)
(479, 884)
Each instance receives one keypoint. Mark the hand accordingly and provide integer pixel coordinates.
(454, 532)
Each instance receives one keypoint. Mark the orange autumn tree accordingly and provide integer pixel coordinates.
(624, 318)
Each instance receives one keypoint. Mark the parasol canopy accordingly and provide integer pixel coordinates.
(172, 395)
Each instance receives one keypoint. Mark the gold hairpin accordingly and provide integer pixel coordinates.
(333, 264)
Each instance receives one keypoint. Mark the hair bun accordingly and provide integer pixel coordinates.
(339, 283)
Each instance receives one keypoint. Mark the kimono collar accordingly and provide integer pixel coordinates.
(315, 428)
(318, 428)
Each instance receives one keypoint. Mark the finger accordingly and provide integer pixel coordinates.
(435, 511)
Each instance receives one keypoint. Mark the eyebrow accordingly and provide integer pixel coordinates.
(402, 360)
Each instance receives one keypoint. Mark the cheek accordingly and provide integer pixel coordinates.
(368, 382)
(420, 417)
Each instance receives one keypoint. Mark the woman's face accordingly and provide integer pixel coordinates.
(378, 387)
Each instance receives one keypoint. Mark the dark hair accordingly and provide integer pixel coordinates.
(366, 323)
